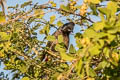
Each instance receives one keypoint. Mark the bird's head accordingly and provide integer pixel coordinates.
(68, 27)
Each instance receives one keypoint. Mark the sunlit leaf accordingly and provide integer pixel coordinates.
(115, 57)
(66, 57)
(66, 8)
(90, 79)
(106, 52)
(51, 38)
(25, 78)
(95, 1)
(2, 53)
(98, 26)
(59, 23)
(45, 30)
(52, 19)
(2, 18)
(105, 11)
(112, 8)
(90, 33)
(94, 50)
(39, 13)
(4, 36)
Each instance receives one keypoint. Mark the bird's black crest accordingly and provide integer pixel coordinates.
(68, 27)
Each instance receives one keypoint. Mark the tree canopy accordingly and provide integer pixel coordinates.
(96, 54)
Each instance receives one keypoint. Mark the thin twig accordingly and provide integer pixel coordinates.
(46, 7)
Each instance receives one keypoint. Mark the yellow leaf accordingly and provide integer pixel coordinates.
(53, 4)
(95, 1)
(1, 55)
(115, 57)
(25, 78)
(59, 23)
(39, 13)
(90, 79)
(52, 19)
(2, 18)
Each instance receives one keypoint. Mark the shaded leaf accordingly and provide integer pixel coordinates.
(60, 38)
(72, 49)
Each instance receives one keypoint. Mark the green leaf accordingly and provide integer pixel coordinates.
(79, 66)
(66, 8)
(2, 17)
(72, 49)
(52, 19)
(113, 30)
(102, 17)
(95, 1)
(101, 35)
(23, 68)
(101, 42)
(59, 48)
(94, 50)
(51, 38)
(45, 30)
(2, 54)
(90, 33)
(25, 78)
(94, 9)
(105, 11)
(102, 65)
(26, 4)
(92, 73)
(66, 57)
(110, 37)
(4, 36)
(106, 52)
(98, 26)
(59, 23)
(60, 38)
(39, 13)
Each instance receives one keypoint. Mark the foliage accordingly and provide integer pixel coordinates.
(97, 56)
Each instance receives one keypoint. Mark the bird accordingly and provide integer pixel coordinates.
(65, 31)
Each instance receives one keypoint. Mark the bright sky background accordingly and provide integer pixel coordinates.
(77, 28)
